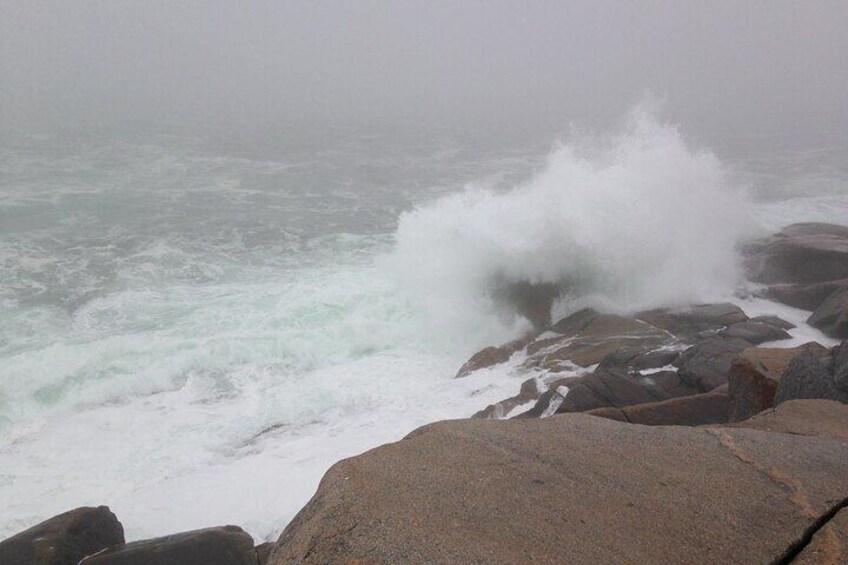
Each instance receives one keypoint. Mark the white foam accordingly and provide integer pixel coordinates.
(639, 219)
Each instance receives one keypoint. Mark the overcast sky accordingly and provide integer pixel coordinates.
(719, 64)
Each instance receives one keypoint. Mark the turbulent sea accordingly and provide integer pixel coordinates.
(195, 326)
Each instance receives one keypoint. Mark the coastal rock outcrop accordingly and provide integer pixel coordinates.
(649, 357)
(807, 264)
(64, 539)
(576, 488)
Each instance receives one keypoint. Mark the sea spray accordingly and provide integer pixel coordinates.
(633, 220)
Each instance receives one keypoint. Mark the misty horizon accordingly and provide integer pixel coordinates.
(758, 66)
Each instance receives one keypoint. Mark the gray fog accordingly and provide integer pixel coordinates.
(724, 65)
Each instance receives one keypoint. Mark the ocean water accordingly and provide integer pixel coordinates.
(196, 323)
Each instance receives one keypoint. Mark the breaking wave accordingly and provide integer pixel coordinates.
(634, 219)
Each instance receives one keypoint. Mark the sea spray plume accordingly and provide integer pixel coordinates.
(634, 220)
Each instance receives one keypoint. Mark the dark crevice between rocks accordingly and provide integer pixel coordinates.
(796, 548)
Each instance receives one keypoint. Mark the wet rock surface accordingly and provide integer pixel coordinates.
(648, 357)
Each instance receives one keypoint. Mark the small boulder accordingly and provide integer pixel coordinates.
(64, 539)
(809, 376)
(227, 545)
(831, 317)
(754, 375)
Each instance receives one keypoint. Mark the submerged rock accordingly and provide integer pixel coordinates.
(227, 545)
(64, 539)
(572, 488)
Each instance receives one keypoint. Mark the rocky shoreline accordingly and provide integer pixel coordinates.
(689, 436)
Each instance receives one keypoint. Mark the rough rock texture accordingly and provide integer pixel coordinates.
(822, 418)
(64, 539)
(753, 377)
(263, 551)
(696, 410)
(831, 317)
(829, 545)
(812, 376)
(227, 545)
(572, 488)
(800, 253)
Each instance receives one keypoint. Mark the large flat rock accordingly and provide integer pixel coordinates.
(571, 489)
